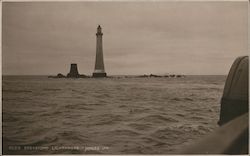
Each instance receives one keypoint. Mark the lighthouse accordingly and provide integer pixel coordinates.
(99, 63)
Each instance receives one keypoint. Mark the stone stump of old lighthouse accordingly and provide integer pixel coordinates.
(99, 63)
(73, 73)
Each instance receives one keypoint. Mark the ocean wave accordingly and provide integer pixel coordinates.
(104, 119)
(51, 89)
(16, 91)
(199, 89)
(182, 99)
(8, 141)
(123, 106)
(93, 104)
(78, 107)
(208, 98)
(123, 132)
(81, 92)
(42, 141)
(167, 134)
(179, 114)
(197, 118)
(138, 110)
(50, 113)
(9, 118)
(134, 150)
(157, 119)
(194, 129)
(176, 99)
(140, 126)
(153, 141)
(215, 88)
(73, 137)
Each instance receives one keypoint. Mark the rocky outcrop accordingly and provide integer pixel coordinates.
(152, 75)
(59, 75)
(166, 76)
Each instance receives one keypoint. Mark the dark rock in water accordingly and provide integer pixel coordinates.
(152, 75)
(73, 73)
(60, 75)
(83, 76)
(178, 76)
(57, 76)
(172, 75)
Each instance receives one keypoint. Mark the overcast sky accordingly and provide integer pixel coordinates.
(139, 37)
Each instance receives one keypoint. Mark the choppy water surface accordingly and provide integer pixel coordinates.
(107, 116)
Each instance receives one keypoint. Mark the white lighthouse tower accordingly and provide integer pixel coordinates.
(99, 63)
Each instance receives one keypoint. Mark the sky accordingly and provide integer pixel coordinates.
(196, 38)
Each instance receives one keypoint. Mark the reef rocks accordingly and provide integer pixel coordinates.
(166, 76)
(59, 75)
(73, 73)
(148, 76)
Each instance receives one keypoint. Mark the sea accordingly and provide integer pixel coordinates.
(118, 115)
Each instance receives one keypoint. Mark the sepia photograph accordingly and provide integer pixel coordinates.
(125, 77)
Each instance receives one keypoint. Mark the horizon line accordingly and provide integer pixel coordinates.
(121, 75)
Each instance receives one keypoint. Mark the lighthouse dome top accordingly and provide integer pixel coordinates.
(99, 30)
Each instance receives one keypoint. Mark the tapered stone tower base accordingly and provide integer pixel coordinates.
(99, 75)
(73, 73)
